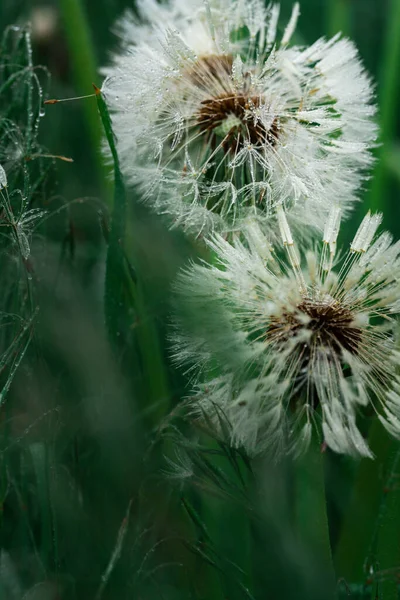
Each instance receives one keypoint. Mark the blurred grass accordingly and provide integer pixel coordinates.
(339, 15)
(388, 96)
(386, 568)
(84, 69)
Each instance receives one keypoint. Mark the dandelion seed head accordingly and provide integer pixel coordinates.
(285, 338)
(212, 89)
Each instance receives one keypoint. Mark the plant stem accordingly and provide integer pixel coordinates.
(388, 104)
(361, 516)
(338, 17)
(311, 511)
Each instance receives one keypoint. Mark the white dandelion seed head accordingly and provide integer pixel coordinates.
(285, 338)
(217, 117)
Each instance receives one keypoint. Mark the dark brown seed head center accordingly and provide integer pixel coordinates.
(331, 325)
(229, 106)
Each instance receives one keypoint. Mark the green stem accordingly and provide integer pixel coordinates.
(388, 104)
(84, 70)
(310, 509)
(359, 525)
(338, 17)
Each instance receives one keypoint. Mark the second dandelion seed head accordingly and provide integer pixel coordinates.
(294, 339)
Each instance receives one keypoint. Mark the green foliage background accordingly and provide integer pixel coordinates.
(105, 492)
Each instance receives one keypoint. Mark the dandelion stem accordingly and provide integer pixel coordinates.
(389, 98)
(361, 516)
(339, 17)
(311, 511)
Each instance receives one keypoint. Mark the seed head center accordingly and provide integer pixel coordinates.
(229, 113)
(330, 323)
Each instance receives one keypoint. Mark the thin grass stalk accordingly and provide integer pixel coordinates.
(311, 519)
(354, 547)
(338, 17)
(29, 102)
(116, 553)
(389, 98)
(84, 70)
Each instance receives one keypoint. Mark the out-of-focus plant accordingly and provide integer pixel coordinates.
(23, 174)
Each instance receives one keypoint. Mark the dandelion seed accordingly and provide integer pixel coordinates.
(281, 345)
(3, 178)
(211, 81)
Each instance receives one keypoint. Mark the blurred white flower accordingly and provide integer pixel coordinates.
(216, 119)
(278, 340)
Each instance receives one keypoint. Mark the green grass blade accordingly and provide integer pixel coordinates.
(123, 284)
(115, 263)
